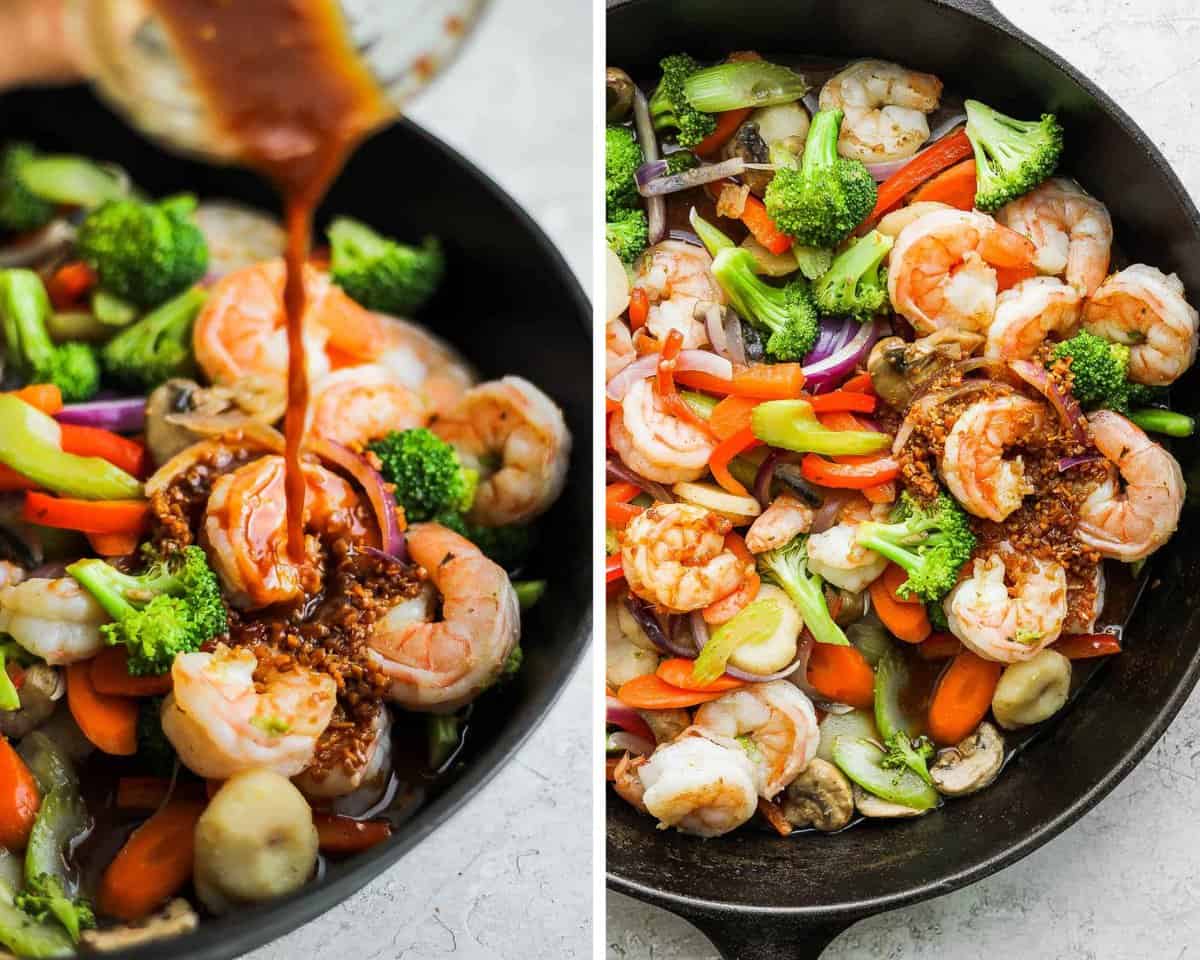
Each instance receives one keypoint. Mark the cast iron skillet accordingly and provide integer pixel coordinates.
(753, 894)
(512, 305)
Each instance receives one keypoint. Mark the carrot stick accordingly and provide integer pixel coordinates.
(762, 227)
(639, 308)
(114, 544)
(955, 187)
(346, 835)
(762, 381)
(727, 123)
(731, 415)
(155, 863)
(907, 621)
(650, 692)
(842, 674)
(962, 697)
(946, 152)
(108, 722)
(677, 671)
(87, 516)
(19, 799)
(120, 451)
(45, 396)
(110, 676)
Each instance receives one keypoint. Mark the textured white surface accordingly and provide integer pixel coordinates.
(509, 876)
(1123, 883)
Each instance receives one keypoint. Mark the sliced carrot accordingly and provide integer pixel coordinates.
(962, 697)
(859, 383)
(1008, 277)
(150, 793)
(866, 472)
(842, 674)
(1084, 646)
(110, 676)
(727, 123)
(843, 401)
(69, 283)
(108, 722)
(337, 834)
(87, 516)
(725, 451)
(639, 308)
(650, 692)
(45, 396)
(939, 646)
(893, 577)
(906, 621)
(946, 152)
(677, 671)
(19, 798)
(114, 544)
(954, 186)
(120, 451)
(762, 381)
(731, 415)
(155, 863)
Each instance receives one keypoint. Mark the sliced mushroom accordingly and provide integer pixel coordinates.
(877, 808)
(618, 94)
(820, 797)
(747, 145)
(666, 725)
(971, 765)
(174, 920)
(181, 412)
(1032, 691)
(40, 692)
(898, 369)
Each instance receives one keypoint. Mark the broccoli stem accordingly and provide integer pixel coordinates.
(820, 149)
(870, 537)
(787, 567)
(109, 585)
(713, 239)
(1167, 422)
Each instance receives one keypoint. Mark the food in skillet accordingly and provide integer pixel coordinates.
(887, 416)
(189, 718)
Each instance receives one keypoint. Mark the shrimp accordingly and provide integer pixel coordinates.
(699, 785)
(836, 555)
(941, 272)
(442, 665)
(892, 223)
(1130, 524)
(1085, 600)
(778, 720)
(619, 351)
(676, 278)
(1145, 308)
(350, 757)
(416, 358)
(242, 329)
(780, 523)
(221, 722)
(245, 527)
(57, 620)
(627, 781)
(656, 443)
(1071, 232)
(515, 436)
(10, 574)
(885, 106)
(1003, 623)
(973, 463)
(1028, 313)
(357, 404)
(674, 554)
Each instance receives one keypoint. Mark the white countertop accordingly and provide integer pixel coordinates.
(1123, 883)
(517, 857)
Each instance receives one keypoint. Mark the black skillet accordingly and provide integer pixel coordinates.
(755, 895)
(512, 305)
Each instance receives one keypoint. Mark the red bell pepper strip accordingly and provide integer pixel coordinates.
(930, 162)
(727, 123)
(848, 476)
(726, 450)
(87, 516)
(1083, 646)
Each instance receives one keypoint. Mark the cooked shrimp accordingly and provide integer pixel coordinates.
(515, 436)
(242, 329)
(237, 236)
(1132, 523)
(1085, 600)
(836, 555)
(778, 720)
(56, 620)
(699, 786)
(1071, 232)
(221, 722)
(780, 523)
(1004, 623)
(619, 351)
(1145, 308)
(676, 277)
(656, 443)
(973, 462)
(357, 404)
(245, 528)
(10, 574)
(415, 357)
(674, 554)
(349, 756)
(892, 223)
(627, 781)
(941, 272)
(1028, 313)
(442, 665)
(885, 106)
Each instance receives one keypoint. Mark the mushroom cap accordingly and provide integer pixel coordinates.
(971, 765)
(820, 797)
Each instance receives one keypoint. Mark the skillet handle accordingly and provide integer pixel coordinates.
(766, 938)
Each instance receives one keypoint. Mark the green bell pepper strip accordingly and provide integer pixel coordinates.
(792, 425)
(31, 444)
(862, 762)
(25, 936)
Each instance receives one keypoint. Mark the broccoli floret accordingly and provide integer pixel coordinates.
(820, 202)
(382, 274)
(20, 208)
(44, 897)
(787, 312)
(24, 311)
(1098, 370)
(903, 753)
(627, 233)
(508, 546)
(669, 107)
(157, 347)
(1011, 156)
(681, 160)
(937, 616)
(429, 477)
(931, 541)
(814, 262)
(512, 665)
(154, 750)
(172, 607)
(787, 566)
(622, 157)
(856, 283)
(144, 252)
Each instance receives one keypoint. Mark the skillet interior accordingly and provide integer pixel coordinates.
(512, 305)
(752, 892)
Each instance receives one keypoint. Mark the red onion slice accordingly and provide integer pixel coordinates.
(800, 676)
(838, 365)
(620, 715)
(1066, 463)
(1065, 405)
(700, 633)
(124, 415)
(382, 502)
(831, 337)
(787, 671)
(625, 742)
(650, 170)
(656, 207)
(700, 361)
(696, 177)
(714, 326)
(643, 613)
(764, 478)
(735, 339)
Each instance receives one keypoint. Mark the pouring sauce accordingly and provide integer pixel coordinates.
(285, 82)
